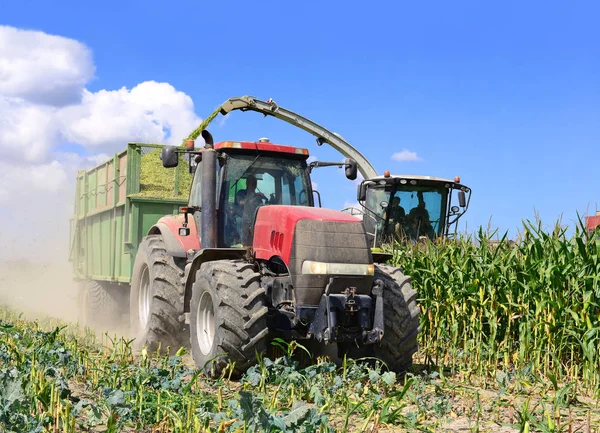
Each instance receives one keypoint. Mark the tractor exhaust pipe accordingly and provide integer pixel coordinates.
(208, 231)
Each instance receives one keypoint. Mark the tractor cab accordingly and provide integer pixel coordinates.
(245, 177)
(408, 208)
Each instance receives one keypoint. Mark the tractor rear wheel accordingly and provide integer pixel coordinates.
(156, 298)
(100, 305)
(228, 317)
(401, 319)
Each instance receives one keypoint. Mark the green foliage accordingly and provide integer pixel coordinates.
(492, 306)
(60, 380)
(509, 337)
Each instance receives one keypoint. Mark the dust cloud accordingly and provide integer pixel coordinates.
(39, 288)
(35, 274)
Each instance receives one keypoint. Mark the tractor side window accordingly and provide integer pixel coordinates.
(196, 190)
(294, 182)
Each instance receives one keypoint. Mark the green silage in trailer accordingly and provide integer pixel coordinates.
(159, 182)
(116, 203)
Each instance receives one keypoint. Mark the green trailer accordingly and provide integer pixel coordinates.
(116, 203)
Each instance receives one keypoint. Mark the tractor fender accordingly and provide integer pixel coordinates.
(202, 256)
(177, 246)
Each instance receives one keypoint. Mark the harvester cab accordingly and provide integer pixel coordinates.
(408, 208)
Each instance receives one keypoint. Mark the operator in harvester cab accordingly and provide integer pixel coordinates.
(418, 219)
(397, 212)
(396, 215)
(253, 200)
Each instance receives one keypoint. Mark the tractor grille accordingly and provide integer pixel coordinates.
(326, 241)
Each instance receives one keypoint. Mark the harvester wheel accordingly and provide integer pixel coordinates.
(228, 317)
(401, 319)
(99, 304)
(156, 298)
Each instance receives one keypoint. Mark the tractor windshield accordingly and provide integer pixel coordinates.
(404, 212)
(251, 181)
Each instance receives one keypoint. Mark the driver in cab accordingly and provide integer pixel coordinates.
(419, 221)
(396, 217)
(254, 199)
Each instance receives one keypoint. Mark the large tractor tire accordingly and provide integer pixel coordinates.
(156, 298)
(100, 305)
(401, 319)
(228, 317)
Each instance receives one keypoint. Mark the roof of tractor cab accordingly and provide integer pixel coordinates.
(263, 146)
(414, 180)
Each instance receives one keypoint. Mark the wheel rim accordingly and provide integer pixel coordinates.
(144, 299)
(205, 323)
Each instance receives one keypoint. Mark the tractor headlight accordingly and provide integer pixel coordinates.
(323, 268)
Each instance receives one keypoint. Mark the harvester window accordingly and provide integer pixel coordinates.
(409, 213)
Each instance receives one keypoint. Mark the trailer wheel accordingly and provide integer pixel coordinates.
(401, 319)
(156, 298)
(228, 317)
(100, 305)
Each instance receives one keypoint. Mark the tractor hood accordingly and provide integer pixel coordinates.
(275, 227)
(315, 244)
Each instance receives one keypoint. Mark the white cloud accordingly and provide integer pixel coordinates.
(27, 130)
(43, 105)
(20, 184)
(406, 155)
(149, 112)
(43, 68)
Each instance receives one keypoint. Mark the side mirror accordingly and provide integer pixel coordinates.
(351, 168)
(361, 192)
(169, 157)
(461, 199)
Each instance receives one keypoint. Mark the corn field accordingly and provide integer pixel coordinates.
(509, 339)
(529, 305)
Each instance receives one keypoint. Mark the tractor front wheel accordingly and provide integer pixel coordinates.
(401, 319)
(228, 317)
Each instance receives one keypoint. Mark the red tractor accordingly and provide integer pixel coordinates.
(250, 258)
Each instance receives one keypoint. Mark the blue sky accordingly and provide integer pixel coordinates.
(506, 96)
